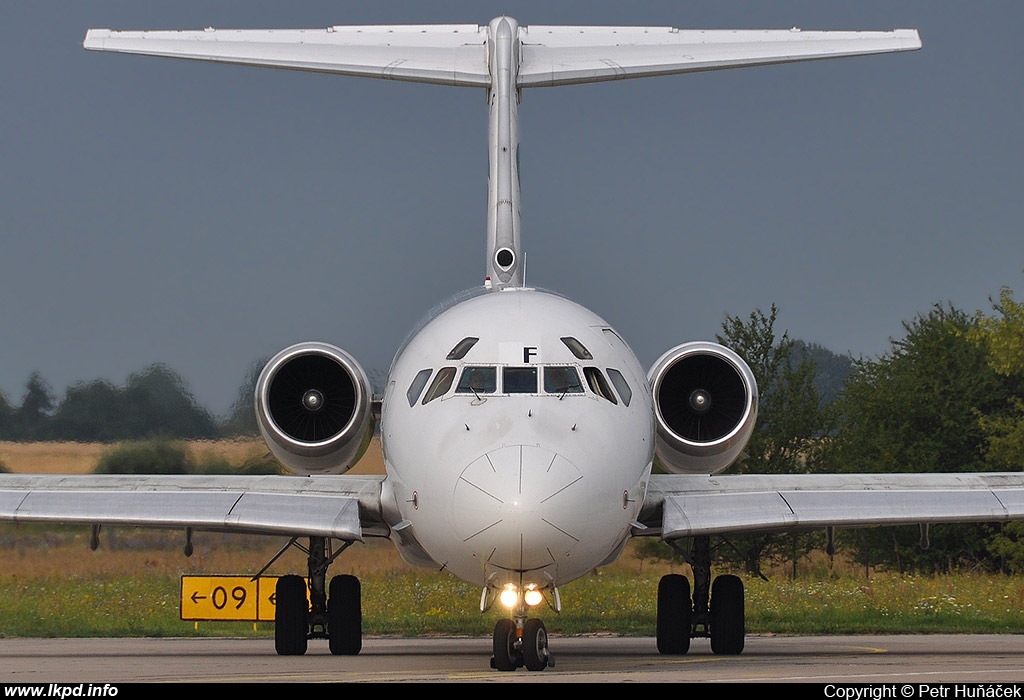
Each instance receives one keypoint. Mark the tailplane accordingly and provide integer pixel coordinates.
(502, 57)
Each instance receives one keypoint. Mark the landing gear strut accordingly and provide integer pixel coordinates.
(521, 641)
(338, 618)
(680, 618)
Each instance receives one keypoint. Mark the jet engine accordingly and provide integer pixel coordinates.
(705, 406)
(313, 406)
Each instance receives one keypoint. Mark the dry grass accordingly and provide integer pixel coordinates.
(82, 457)
(34, 552)
(51, 457)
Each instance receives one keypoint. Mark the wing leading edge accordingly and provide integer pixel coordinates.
(679, 505)
(342, 507)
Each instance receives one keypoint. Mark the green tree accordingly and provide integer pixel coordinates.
(790, 424)
(919, 408)
(31, 421)
(154, 402)
(832, 368)
(1003, 334)
(158, 402)
(6, 418)
(91, 412)
(241, 418)
(1002, 337)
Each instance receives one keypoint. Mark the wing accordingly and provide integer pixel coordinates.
(343, 507)
(681, 505)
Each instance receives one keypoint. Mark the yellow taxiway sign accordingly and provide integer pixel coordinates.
(237, 598)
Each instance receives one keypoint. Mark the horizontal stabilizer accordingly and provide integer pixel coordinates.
(440, 54)
(567, 55)
(458, 54)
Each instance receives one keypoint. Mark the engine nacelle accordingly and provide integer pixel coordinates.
(313, 406)
(705, 406)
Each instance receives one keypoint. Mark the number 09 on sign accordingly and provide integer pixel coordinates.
(227, 598)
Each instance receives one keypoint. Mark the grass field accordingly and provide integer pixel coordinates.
(51, 584)
(82, 457)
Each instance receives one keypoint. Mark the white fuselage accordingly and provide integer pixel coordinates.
(507, 464)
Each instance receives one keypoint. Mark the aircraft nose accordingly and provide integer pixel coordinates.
(516, 507)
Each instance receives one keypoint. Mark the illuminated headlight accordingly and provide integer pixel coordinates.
(509, 597)
(533, 597)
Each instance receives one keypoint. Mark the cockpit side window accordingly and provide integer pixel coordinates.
(418, 382)
(620, 384)
(598, 384)
(441, 384)
(461, 348)
(478, 380)
(562, 380)
(577, 348)
(519, 380)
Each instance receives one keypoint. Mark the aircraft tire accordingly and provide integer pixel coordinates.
(505, 656)
(728, 626)
(291, 625)
(345, 616)
(535, 645)
(674, 613)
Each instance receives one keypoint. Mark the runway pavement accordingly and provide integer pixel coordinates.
(924, 659)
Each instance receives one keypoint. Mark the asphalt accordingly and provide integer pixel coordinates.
(915, 660)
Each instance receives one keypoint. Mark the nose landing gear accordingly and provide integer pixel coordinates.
(521, 643)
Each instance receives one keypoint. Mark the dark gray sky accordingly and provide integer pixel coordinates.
(205, 216)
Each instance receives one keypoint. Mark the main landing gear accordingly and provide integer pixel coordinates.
(337, 618)
(680, 618)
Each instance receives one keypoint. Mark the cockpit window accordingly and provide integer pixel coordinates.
(441, 384)
(620, 384)
(460, 350)
(562, 380)
(519, 380)
(598, 384)
(478, 380)
(418, 382)
(577, 348)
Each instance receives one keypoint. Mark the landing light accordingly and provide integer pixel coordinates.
(509, 597)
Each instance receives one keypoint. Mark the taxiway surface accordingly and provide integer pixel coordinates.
(918, 659)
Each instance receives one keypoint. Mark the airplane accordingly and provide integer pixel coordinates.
(519, 430)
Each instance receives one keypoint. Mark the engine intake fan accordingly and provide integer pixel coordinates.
(705, 400)
(313, 406)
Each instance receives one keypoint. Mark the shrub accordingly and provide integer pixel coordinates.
(147, 457)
